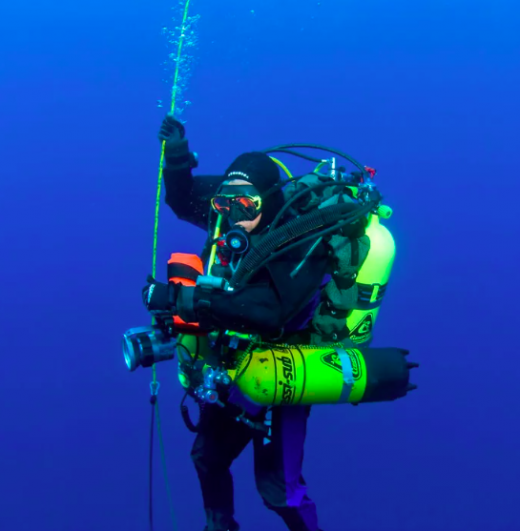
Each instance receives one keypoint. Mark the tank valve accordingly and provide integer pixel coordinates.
(210, 396)
(385, 212)
(207, 392)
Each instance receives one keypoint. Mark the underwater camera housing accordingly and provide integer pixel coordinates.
(146, 345)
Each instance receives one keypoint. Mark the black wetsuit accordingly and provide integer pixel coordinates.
(272, 298)
(272, 301)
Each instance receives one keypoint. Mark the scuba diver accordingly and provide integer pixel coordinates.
(281, 321)
(278, 304)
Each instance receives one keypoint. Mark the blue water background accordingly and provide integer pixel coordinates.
(426, 92)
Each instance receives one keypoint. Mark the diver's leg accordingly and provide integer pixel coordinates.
(278, 468)
(220, 440)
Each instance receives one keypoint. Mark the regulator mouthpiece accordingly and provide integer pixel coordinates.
(147, 345)
(237, 240)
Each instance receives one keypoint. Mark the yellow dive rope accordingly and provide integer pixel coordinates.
(159, 180)
(154, 386)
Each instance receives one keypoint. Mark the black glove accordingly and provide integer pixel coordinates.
(176, 150)
(171, 130)
(159, 297)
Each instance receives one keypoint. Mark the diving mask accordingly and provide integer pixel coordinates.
(237, 203)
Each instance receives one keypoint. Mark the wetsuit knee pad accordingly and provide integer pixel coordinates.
(203, 462)
(272, 492)
(208, 460)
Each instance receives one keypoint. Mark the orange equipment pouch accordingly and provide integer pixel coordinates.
(185, 269)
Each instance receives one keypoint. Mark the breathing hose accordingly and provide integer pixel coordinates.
(297, 196)
(321, 148)
(342, 223)
(292, 230)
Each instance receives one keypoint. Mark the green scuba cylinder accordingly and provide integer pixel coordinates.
(372, 280)
(270, 374)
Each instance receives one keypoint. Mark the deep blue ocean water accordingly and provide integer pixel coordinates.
(427, 92)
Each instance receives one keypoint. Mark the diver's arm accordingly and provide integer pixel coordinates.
(255, 308)
(265, 306)
(188, 196)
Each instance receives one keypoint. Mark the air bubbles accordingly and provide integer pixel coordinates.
(182, 40)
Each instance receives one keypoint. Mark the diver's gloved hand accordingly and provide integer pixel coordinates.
(176, 150)
(159, 297)
(171, 130)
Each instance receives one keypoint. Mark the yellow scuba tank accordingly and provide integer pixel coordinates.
(289, 376)
(273, 375)
(371, 280)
